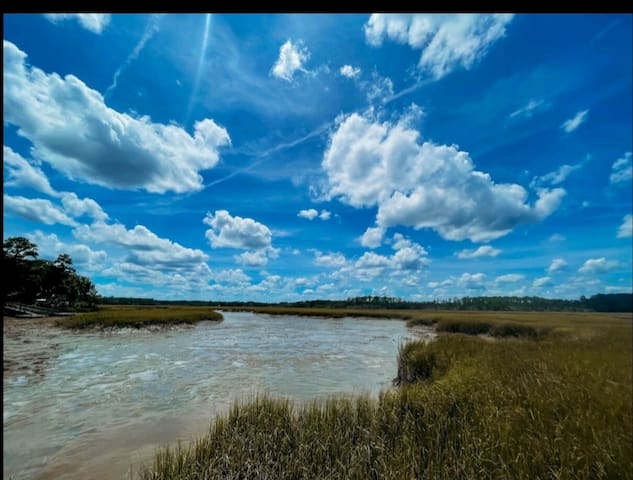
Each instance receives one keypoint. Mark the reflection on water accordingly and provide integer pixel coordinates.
(106, 402)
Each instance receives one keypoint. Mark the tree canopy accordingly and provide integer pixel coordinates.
(51, 283)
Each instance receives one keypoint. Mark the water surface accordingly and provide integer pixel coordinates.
(101, 404)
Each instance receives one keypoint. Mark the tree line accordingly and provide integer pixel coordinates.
(615, 302)
(31, 280)
(55, 284)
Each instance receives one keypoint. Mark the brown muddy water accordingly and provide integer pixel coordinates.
(98, 405)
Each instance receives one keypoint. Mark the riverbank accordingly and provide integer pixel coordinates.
(24, 351)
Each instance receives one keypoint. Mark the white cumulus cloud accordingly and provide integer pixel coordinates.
(36, 209)
(372, 238)
(73, 130)
(483, 251)
(143, 247)
(403, 266)
(510, 278)
(256, 258)
(309, 214)
(574, 122)
(292, 58)
(598, 265)
(474, 281)
(236, 232)
(557, 264)
(424, 185)
(21, 173)
(325, 215)
(541, 282)
(369, 266)
(94, 22)
(447, 41)
(78, 207)
(409, 255)
(332, 259)
(231, 277)
(626, 229)
(622, 169)
(50, 246)
(349, 71)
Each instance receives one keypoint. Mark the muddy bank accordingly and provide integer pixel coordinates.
(29, 344)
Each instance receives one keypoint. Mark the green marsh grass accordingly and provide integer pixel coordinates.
(556, 406)
(138, 317)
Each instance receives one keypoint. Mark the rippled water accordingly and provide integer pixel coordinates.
(103, 403)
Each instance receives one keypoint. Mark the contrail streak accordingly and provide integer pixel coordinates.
(196, 84)
(150, 29)
(264, 156)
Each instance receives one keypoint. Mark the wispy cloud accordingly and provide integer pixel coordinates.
(576, 121)
(510, 278)
(557, 176)
(93, 22)
(265, 155)
(483, 251)
(150, 29)
(527, 110)
(622, 169)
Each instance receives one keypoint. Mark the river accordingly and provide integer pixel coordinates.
(97, 405)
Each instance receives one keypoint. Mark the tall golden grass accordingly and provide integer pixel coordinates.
(558, 405)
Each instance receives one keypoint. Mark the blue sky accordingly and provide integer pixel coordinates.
(292, 157)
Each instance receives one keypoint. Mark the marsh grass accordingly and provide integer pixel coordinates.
(560, 407)
(530, 325)
(137, 317)
(327, 312)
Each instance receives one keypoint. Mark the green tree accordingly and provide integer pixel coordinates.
(18, 248)
(17, 256)
(32, 278)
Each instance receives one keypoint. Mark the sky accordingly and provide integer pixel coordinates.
(320, 156)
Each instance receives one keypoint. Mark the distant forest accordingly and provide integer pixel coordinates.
(56, 284)
(615, 302)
